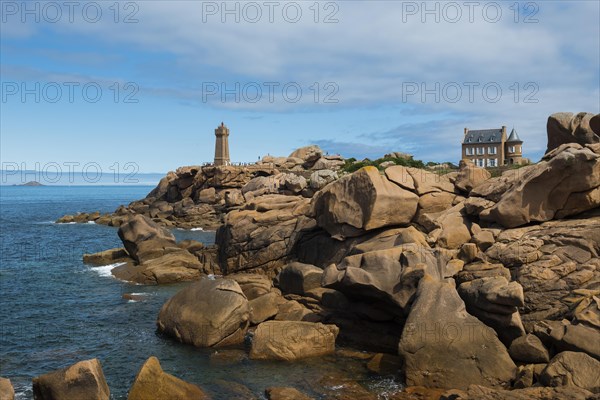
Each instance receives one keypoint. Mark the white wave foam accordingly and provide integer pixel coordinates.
(196, 229)
(105, 270)
(91, 222)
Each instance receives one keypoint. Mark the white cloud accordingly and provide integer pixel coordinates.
(370, 54)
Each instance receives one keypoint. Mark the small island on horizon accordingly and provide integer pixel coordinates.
(31, 183)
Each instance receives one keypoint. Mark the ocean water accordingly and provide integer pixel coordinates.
(55, 310)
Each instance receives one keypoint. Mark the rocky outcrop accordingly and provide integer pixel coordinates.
(292, 340)
(566, 182)
(553, 262)
(573, 369)
(207, 313)
(83, 380)
(445, 347)
(361, 202)
(6, 389)
(152, 382)
(261, 235)
(566, 127)
(151, 255)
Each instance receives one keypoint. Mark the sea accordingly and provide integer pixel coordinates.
(55, 310)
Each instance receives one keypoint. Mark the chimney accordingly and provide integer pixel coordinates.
(466, 131)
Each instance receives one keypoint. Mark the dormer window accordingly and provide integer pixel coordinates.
(480, 139)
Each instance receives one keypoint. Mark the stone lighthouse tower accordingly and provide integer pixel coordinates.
(222, 145)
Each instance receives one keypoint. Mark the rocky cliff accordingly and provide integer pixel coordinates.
(477, 285)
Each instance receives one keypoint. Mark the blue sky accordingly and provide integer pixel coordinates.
(375, 76)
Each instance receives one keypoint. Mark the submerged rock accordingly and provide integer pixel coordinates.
(285, 393)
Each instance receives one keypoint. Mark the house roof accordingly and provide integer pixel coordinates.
(483, 136)
(514, 137)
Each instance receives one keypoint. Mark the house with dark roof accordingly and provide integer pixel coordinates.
(492, 148)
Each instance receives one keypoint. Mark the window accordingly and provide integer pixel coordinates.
(469, 151)
(492, 150)
(480, 139)
(511, 149)
(492, 162)
(480, 162)
(480, 150)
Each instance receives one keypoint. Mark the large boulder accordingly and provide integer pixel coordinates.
(207, 313)
(83, 380)
(144, 239)
(529, 349)
(320, 179)
(451, 228)
(387, 277)
(265, 307)
(573, 369)
(309, 154)
(470, 176)
(261, 235)
(292, 340)
(566, 127)
(152, 382)
(436, 192)
(298, 278)
(362, 201)
(581, 338)
(495, 301)
(6, 389)
(445, 347)
(566, 182)
(324, 163)
(177, 266)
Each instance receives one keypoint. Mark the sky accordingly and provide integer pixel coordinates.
(141, 85)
